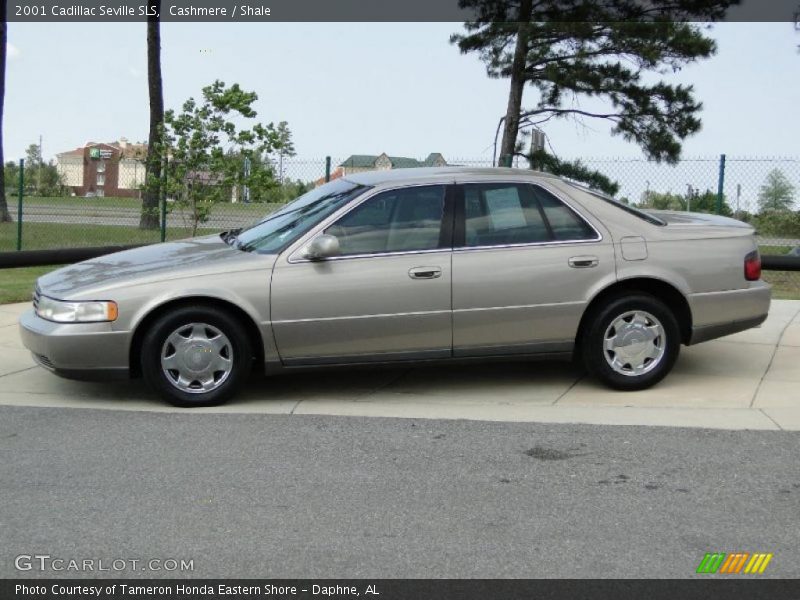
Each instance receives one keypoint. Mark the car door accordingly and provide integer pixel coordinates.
(386, 296)
(524, 265)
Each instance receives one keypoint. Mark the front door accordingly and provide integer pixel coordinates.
(386, 297)
(524, 267)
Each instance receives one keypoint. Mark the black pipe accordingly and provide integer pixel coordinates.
(780, 263)
(56, 256)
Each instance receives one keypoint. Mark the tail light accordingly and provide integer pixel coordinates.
(752, 266)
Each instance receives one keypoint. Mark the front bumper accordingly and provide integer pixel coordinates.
(88, 351)
(716, 314)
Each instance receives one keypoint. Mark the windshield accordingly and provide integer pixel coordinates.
(281, 228)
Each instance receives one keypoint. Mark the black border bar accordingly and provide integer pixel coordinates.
(232, 11)
(735, 588)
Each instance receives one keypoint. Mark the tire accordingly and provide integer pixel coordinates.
(209, 350)
(631, 342)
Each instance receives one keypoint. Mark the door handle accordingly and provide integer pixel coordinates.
(583, 262)
(425, 272)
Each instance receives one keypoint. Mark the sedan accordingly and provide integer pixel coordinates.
(401, 267)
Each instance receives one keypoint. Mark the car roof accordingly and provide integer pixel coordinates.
(438, 174)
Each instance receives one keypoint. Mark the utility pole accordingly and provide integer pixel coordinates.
(738, 196)
(41, 164)
(246, 188)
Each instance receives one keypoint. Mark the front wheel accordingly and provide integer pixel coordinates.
(631, 343)
(196, 356)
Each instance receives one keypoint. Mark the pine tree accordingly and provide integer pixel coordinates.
(777, 193)
(573, 49)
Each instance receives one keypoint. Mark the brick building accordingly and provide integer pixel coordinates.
(104, 169)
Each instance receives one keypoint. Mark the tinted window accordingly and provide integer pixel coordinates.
(565, 224)
(504, 214)
(395, 221)
(498, 214)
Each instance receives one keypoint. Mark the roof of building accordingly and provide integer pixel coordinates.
(366, 161)
(126, 149)
(441, 174)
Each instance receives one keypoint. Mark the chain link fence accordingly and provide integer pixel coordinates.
(97, 202)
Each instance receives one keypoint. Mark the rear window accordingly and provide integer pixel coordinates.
(644, 216)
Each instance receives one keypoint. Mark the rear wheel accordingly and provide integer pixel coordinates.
(632, 342)
(196, 356)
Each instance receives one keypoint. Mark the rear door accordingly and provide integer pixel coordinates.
(524, 264)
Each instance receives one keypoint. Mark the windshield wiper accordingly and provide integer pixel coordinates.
(229, 237)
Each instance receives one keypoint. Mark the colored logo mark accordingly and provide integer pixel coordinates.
(736, 562)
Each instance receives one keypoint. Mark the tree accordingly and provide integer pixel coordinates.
(207, 149)
(33, 156)
(662, 201)
(777, 193)
(700, 203)
(5, 216)
(573, 49)
(152, 188)
(49, 181)
(11, 174)
(285, 145)
(575, 170)
(707, 203)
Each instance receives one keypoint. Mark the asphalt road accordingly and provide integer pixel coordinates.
(308, 496)
(129, 217)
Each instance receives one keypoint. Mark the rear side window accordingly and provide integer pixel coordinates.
(566, 225)
(497, 214)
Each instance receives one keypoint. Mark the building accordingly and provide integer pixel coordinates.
(357, 163)
(104, 169)
(383, 162)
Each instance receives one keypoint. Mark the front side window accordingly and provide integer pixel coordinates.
(402, 220)
(501, 214)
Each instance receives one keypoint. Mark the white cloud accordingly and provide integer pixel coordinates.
(11, 50)
(134, 72)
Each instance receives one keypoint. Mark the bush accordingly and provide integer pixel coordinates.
(778, 223)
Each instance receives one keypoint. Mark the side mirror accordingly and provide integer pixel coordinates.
(322, 247)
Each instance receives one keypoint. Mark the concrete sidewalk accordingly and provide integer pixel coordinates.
(749, 380)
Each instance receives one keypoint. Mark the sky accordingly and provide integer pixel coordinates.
(364, 88)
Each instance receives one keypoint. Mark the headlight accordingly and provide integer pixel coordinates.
(76, 312)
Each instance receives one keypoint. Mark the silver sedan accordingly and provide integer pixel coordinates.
(414, 265)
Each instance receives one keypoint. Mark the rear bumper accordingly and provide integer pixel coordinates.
(87, 351)
(717, 314)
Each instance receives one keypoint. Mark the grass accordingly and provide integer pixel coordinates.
(97, 206)
(16, 285)
(774, 250)
(785, 284)
(75, 230)
(40, 236)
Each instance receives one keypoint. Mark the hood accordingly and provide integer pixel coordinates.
(692, 219)
(173, 260)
